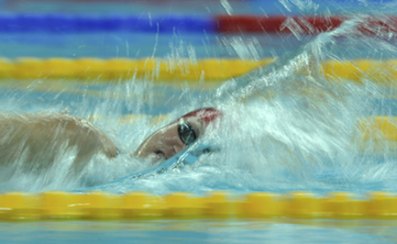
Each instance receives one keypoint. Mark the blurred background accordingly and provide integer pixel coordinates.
(132, 66)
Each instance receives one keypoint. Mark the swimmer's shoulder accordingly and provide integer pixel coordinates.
(82, 132)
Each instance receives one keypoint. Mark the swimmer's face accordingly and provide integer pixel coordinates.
(171, 139)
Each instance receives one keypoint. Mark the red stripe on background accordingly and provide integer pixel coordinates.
(301, 24)
(379, 26)
(276, 24)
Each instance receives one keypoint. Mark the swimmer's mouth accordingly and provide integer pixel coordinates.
(161, 155)
(189, 155)
(192, 154)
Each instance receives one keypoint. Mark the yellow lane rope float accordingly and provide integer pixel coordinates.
(124, 69)
(174, 71)
(378, 135)
(136, 205)
(379, 128)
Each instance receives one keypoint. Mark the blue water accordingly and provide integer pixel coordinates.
(283, 129)
(200, 231)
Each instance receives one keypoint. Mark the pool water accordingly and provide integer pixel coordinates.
(285, 127)
(199, 231)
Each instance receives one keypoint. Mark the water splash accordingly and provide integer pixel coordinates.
(285, 127)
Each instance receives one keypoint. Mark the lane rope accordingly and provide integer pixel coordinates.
(124, 69)
(212, 71)
(58, 23)
(137, 205)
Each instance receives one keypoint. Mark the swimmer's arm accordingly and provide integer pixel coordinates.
(84, 135)
(76, 132)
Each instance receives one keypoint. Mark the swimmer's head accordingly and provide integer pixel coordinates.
(177, 135)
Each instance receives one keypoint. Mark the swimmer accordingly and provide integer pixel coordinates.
(38, 139)
(174, 137)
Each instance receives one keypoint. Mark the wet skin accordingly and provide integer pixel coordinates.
(42, 138)
(166, 142)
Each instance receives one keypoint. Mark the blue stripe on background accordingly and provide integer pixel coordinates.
(68, 24)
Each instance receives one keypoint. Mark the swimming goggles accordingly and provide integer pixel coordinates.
(186, 133)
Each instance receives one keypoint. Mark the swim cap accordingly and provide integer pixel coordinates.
(205, 115)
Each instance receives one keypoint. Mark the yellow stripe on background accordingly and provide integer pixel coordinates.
(212, 71)
(135, 205)
(379, 128)
(383, 72)
(378, 135)
(124, 69)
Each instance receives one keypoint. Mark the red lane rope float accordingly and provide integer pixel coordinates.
(276, 24)
(303, 24)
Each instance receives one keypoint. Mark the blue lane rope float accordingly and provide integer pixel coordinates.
(79, 23)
